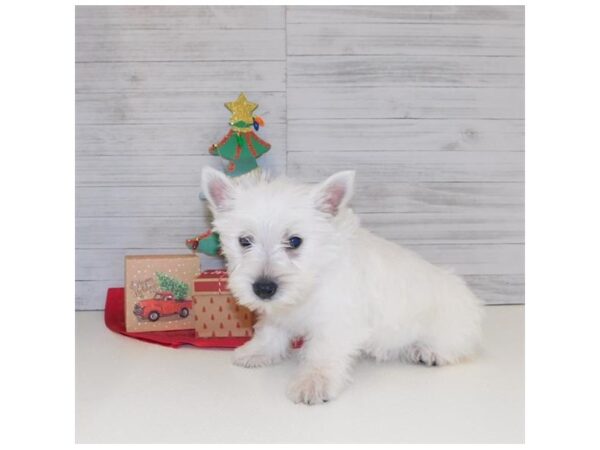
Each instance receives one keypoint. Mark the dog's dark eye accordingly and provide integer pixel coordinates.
(245, 241)
(294, 242)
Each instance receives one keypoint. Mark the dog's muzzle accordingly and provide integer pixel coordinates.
(264, 288)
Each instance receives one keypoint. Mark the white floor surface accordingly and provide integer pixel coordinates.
(128, 391)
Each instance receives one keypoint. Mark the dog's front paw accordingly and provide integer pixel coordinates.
(311, 388)
(250, 357)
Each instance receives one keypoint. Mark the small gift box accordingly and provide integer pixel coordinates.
(158, 292)
(216, 311)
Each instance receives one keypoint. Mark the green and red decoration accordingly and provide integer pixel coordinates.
(207, 243)
(241, 147)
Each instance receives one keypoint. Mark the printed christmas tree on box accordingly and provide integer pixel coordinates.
(157, 292)
(216, 311)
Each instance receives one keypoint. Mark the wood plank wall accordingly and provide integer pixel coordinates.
(426, 103)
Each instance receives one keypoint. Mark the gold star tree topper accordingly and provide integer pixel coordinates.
(241, 109)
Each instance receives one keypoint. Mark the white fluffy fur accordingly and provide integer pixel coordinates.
(344, 290)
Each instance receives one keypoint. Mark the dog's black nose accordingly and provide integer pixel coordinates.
(264, 288)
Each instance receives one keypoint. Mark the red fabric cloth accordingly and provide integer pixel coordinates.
(114, 317)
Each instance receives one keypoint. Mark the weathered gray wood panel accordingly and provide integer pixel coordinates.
(345, 14)
(405, 39)
(107, 33)
(426, 103)
(137, 232)
(475, 259)
(91, 294)
(111, 18)
(169, 107)
(498, 289)
(446, 228)
(412, 70)
(180, 45)
(198, 76)
(372, 135)
(346, 103)
(139, 201)
(391, 166)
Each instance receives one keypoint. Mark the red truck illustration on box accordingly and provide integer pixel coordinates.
(164, 303)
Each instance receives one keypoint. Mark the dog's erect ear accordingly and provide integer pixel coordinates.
(217, 188)
(335, 192)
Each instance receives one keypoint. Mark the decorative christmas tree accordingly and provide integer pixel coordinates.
(241, 147)
(178, 288)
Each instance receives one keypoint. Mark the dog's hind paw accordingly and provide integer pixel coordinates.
(311, 389)
(420, 354)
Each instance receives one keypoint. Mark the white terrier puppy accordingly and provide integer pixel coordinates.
(296, 255)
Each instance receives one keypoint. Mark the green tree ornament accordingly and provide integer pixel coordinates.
(241, 146)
